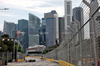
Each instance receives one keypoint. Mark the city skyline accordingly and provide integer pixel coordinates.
(15, 9)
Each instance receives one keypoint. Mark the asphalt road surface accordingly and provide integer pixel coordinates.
(39, 62)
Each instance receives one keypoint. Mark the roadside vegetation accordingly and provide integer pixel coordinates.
(7, 44)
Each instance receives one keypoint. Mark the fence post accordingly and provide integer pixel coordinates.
(94, 40)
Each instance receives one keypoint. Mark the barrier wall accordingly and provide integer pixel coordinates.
(63, 63)
(52, 60)
(20, 60)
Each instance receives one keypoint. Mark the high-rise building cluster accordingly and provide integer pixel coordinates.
(54, 29)
(51, 31)
(26, 31)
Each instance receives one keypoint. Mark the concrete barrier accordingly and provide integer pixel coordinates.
(63, 63)
(35, 56)
(20, 60)
(32, 56)
(52, 60)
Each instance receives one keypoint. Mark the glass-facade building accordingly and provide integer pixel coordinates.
(42, 33)
(33, 29)
(78, 15)
(61, 29)
(9, 28)
(23, 38)
(51, 28)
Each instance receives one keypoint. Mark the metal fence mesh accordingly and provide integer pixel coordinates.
(81, 45)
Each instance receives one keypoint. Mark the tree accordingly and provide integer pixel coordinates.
(5, 36)
(4, 47)
(8, 44)
(19, 48)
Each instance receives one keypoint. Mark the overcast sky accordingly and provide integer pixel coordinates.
(19, 9)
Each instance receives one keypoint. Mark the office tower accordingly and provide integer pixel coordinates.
(79, 16)
(40, 35)
(74, 27)
(52, 33)
(9, 28)
(23, 35)
(16, 27)
(43, 32)
(33, 29)
(57, 26)
(68, 14)
(44, 21)
(61, 29)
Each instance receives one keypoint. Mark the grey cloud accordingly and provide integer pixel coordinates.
(49, 4)
(45, 5)
(56, 2)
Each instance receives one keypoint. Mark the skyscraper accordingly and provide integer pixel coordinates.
(43, 32)
(79, 16)
(9, 28)
(68, 14)
(61, 29)
(23, 27)
(16, 25)
(52, 33)
(33, 29)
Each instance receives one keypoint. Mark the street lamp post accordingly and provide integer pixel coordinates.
(17, 50)
(14, 51)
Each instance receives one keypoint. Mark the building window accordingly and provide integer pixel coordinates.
(92, 0)
(68, 3)
(68, 9)
(68, 20)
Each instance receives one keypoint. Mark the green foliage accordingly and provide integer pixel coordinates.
(45, 51)
(4, 47)
(27, 54)
(5, 36)
(7, 45)
(50, 49)
(22, 51)
(19, 48)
